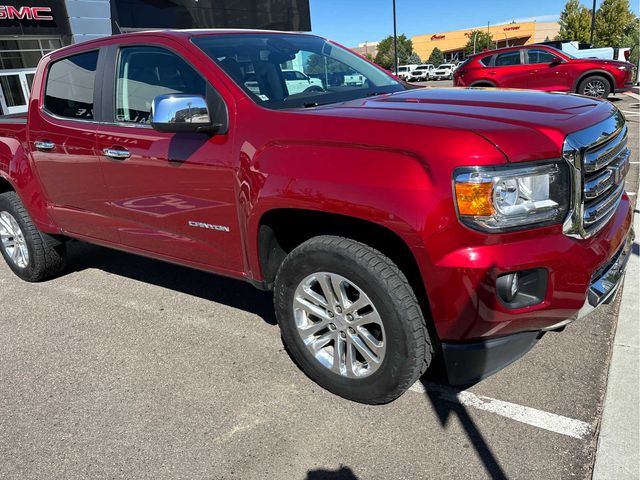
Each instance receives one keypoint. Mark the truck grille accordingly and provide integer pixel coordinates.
(600, 158)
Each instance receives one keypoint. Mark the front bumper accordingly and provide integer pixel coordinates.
(607, 279)
(468, 363)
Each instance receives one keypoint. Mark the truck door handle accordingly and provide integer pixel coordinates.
(492, 73)
(44, 145)
(116, 153)
(533, 71)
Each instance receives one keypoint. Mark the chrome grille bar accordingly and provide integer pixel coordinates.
(604, 208)
(599, 158)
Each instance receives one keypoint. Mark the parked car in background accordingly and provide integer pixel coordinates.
(443, 72)
(404, 71)
(585, 50)
(354, 80)
(421, 73)
(396, 226)
(539, 67)
(298, 82)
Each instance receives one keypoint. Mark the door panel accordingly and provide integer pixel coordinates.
(508, 70)
(171, 194)
(546, 74)
(63, 140)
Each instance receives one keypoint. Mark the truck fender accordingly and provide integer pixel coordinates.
(337, 185)
(17, 171)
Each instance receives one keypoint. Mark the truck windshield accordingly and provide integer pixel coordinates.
(256, 62)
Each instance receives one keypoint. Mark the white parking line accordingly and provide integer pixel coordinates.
(629, 112)
(631, 94)
(530, 416)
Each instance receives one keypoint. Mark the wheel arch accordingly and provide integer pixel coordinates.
(5, 185)
(283, 229)
(484, 83)
(594, 73)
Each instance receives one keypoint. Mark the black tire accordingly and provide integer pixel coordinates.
(46, 255)
(408, 346)
(595, 86)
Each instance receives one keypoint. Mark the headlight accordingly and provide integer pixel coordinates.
(498, 199)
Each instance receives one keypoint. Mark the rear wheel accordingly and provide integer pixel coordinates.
(31, 255)
(350, 319)
(595, 86)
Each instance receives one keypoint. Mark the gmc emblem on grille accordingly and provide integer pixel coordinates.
(618, 172)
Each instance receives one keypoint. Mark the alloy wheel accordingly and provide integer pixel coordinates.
(13, 241)
(339, 325)
(595, 88)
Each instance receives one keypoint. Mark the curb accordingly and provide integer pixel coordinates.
(618, 449)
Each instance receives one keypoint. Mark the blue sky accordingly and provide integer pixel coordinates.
(350, 22)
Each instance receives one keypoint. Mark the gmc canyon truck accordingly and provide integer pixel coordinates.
(395, 226)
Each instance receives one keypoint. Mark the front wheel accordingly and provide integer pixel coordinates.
(31, 255)
(350, 319)
(595, 86)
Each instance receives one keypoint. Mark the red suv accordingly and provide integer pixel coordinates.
(539, 67)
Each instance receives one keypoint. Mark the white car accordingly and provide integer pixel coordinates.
(443, 72)
(422, 73)
(297, 82)
(404, 71)
(582, 50)
(355, 80)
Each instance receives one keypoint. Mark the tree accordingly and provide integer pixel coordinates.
(575, 22)
(483, 41)
(369, 57)
(436, 58)
(414, 59)
(631, 39)
(385, 56)
(612, 19)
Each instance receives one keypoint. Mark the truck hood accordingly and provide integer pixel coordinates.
(524, 124)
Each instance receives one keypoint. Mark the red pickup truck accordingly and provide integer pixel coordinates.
(395, 226)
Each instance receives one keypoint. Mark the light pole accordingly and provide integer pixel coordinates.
(593, 21)
(475, 37)
(395, 41)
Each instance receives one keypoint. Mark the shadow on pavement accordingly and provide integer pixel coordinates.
(445, 408)
(230, 292)
(241, 295)
(343, 473)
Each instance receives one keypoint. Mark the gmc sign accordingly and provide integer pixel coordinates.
(9, 12)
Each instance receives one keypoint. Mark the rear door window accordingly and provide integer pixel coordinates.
(486, 61)
(70, 86)
(508, 58)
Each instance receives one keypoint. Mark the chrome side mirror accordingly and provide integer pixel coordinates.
(180, 112)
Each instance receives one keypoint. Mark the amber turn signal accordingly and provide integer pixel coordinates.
(474, 199)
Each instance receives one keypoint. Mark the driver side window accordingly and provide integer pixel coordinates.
(146, 72)
(540, 56)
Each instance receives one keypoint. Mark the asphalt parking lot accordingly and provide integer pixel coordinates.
(126, 367)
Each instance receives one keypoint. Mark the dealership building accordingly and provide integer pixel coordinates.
(508, 34)
(31, 28)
